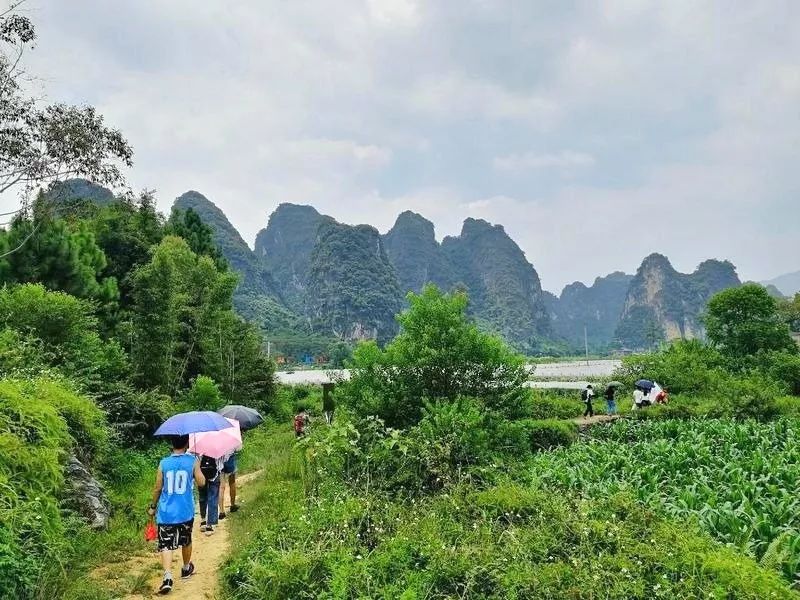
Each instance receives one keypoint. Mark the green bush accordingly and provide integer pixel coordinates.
(41, 421)
(550, 433)
(553, 404)
(686, 367)
(203, 394)
(134, 416)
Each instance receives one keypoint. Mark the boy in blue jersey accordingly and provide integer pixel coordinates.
(173, 506)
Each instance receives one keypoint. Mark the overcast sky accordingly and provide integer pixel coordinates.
(595, 132)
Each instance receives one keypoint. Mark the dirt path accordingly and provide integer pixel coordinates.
(139, 577)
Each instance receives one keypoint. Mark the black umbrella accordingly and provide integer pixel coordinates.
(645, 384)
(247, 417)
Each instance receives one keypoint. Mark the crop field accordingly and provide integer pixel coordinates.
(738, 480)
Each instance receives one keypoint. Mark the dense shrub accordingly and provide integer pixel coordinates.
(555, 404)
(203, 394)
(134, 416)
(503, 542)
(687, 367)
(40, 423)
(545, 434)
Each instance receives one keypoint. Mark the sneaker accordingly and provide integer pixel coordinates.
(202, 523)
(221, 515)
(234, 508)
(203, 527)
(209, 529)
(166, 586)
(187, 571)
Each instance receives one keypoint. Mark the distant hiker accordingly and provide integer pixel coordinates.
(638, 398)
(209, 494)
(173, 507)
(328, 404)
(586, 396)
(229, 468)
(611, 401)
(301, 420)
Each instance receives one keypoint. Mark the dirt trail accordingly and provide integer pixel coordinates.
(142, 573)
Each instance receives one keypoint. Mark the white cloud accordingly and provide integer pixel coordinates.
(365, 108)
(564, 161)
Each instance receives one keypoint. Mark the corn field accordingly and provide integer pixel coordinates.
(740, 481)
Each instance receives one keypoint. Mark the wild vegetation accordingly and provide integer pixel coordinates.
(109, 322)
(470, 486)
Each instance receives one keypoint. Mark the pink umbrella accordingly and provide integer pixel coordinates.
(217, 444)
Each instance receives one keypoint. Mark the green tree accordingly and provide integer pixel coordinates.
(178, 297)
(439, 354)
(57, 256)
(58, 331)
(789, 310)
(40, 145)
(200, 237)
(743, 320)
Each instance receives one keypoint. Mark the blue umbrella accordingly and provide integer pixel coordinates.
(193, 422)
(645, 384)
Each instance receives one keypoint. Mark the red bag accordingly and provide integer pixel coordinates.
(150, 533)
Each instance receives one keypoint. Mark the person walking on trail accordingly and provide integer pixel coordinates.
(586, 396)
(611, 400)
(301, 420)
(173, 507)
(229, 468)
(209, 494)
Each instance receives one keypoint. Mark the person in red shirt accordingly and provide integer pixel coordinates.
(662, 397)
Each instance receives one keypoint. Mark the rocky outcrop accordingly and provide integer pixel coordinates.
(415, 254)
(85, 495)
(664, 304)
(596, 308)
(352, 290)
(286, 245)
(504, 289)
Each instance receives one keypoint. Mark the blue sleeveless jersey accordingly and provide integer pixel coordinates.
(176, 504)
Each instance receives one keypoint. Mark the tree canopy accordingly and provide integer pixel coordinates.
(439, 354)
(743, 320)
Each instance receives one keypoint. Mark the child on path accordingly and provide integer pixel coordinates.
(209, 494)
(586, 396)
(229, 468)
(611, 402)
(173, 507)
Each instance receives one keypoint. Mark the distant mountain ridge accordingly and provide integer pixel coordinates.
(313, 277)
(788, 284)
(663, 304)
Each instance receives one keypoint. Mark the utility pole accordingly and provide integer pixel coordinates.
(269, 349)
(586, 344)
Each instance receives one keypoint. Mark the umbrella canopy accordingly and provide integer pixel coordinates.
(217, 444)
(192, 422)
(615, 384)
(247, 417)
(645, 384)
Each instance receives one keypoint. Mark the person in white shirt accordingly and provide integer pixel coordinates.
(638, 398)
(587, 396)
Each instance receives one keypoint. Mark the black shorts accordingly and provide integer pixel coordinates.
(171, 537)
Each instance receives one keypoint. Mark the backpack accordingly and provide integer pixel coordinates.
(584, 395)
(208, 466)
